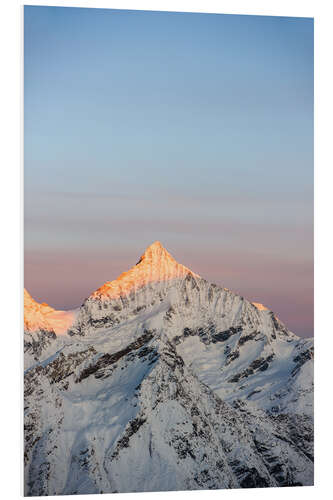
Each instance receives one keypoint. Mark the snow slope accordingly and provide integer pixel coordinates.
(168, 382)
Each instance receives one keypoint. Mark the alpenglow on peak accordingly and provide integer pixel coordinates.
(154, 266)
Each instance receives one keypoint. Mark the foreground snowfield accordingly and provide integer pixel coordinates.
(166, 382)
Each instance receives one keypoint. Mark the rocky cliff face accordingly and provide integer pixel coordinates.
(168, 382)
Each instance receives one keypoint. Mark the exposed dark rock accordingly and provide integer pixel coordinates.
(109, 359)
(260, 364)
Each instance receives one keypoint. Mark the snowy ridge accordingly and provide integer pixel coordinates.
(259, 306)
(35, 314)
(168, 382)
(43, 326)
(44, 317)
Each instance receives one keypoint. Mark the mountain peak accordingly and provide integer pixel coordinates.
(156, 265)
(157, 245)
(156, 251)
(35, 314)
(39, 316)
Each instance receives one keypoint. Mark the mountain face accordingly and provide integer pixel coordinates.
(167, 382)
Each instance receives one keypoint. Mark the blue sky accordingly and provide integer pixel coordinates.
(192, 129)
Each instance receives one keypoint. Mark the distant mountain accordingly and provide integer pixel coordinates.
(168, 382)
(42, 325)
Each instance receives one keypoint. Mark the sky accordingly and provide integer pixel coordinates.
(192, 129)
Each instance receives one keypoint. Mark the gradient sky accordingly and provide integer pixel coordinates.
(192, 129)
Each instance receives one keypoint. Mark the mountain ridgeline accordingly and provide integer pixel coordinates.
(166, 382)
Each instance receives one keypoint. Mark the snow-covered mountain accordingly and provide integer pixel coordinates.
(168, 382)
(42, 325)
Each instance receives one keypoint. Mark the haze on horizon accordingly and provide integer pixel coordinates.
(192, 129)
